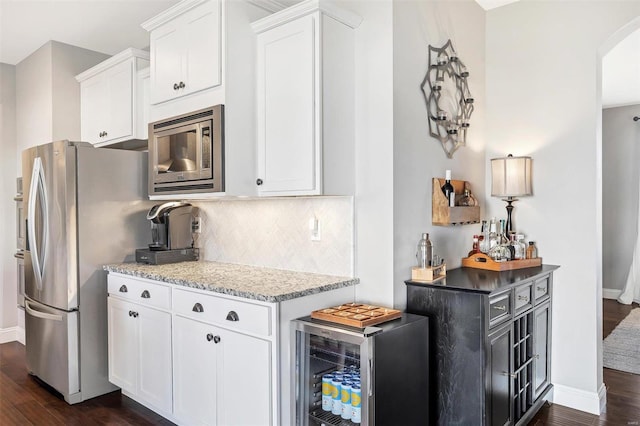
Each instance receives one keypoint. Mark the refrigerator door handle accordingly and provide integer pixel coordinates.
(38, 314)
(38, 188)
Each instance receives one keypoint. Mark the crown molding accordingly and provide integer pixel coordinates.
(115, 59)
(171, 13)
(305, 8)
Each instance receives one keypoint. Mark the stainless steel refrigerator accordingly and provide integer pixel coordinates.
(388, 362)
(84, 207)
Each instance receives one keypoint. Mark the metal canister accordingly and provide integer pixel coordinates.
(327, 388)
(346, 400)
(336, 390)
(356, 403)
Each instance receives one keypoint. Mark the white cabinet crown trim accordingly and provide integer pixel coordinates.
(114, 60)
(346, 17)
(269, 5)
(170, 14)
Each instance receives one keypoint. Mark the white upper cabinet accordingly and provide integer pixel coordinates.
(186, 49)
(112, 104)
(305, 101)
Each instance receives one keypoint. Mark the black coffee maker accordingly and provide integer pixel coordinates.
(171, 234)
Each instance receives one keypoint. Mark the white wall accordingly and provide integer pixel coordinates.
(8, 271)
(417, 157)
(543, 100)
(620, 174)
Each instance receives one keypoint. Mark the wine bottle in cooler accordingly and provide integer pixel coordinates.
(448, 190)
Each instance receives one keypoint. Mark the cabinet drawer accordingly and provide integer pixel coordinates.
(228, 313)
(541, 289)
(140, 291)
(499, 308)
(523, 299)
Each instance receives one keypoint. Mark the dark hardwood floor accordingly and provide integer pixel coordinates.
(24, 401)
(623, 389)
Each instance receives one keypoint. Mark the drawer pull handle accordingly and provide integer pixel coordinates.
(525, 298)
(197, 308)
(541, 288)
(210, 337)
(233, 316)
(512, 375)
(123, 289)
(145, 294)
(500, 308)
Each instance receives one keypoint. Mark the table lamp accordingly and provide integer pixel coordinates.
(510, 178)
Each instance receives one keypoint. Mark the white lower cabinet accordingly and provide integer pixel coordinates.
(217, 373)
(140, 352)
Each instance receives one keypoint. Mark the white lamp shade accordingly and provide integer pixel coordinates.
(511, 177)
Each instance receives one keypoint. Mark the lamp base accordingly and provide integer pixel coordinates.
(509, 201)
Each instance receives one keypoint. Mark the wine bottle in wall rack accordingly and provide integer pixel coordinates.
(448, 190)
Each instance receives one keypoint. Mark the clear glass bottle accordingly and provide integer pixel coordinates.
(521, 247)
(493, 234)
(468, 200)
(500, 253)
(532, 250)
(504, 239)
(425, 251)
(483, 238)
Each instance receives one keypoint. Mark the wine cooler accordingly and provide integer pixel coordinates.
(351, 376)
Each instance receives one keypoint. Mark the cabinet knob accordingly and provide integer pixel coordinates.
(197, 308)
(181, 85)
(259, 182)
(175, 86)
(233, 316)
(123, 289)
(145, 294)
(130, 313)
(133, 314)
(216, 339)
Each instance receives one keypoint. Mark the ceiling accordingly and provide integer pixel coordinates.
(110, 26)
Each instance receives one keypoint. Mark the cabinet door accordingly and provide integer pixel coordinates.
(154, 348)
(541, 355)
(288, 109)
(195, 362)
(168, 46)
(203, 65)
(119, 112)
(499, 392)
(94, 101)
(244, 377)
(123, 344)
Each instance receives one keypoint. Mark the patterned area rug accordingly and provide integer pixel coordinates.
(621, 348)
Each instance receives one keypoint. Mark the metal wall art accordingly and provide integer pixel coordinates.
(446, 94)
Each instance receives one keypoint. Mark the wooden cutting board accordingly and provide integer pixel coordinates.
(356, 314)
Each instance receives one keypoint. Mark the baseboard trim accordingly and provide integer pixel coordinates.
(591, 402)
(10, 334)
(20, 335)
(611, 293)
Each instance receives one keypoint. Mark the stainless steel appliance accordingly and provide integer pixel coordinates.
(390, 361)
(186, 153)
(84, 207)
(171, 234)
(19, 254)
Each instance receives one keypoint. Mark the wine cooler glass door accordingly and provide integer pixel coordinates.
(333, 377)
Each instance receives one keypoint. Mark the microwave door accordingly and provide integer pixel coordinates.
(176, 155)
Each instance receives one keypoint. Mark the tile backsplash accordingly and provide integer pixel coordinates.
(275, 233)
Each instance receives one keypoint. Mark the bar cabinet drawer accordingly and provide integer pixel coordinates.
(139, 291)
(499, 308)
(541, 289)
(523, 299)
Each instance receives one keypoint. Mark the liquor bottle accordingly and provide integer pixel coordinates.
(425, 251)
(448, 190)
(493, 235)
(532, 251)
(468, 200)
(521, 248)
(483, 238)
(476, 246)
(504, 239)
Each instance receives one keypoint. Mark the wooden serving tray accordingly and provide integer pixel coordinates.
(356, 315)
(482, 261)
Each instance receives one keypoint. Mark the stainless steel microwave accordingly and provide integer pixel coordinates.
(186, 153)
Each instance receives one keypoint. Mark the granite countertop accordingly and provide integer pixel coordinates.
(483, 281)
(251, 282)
